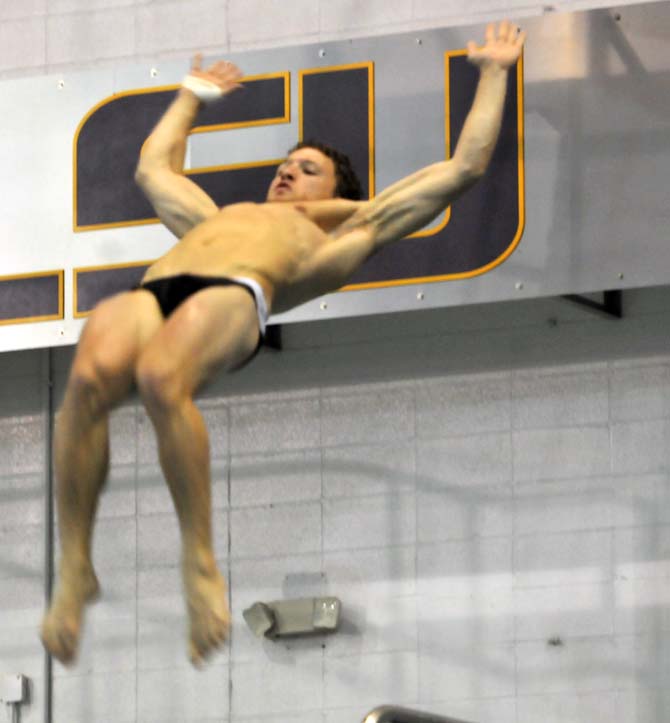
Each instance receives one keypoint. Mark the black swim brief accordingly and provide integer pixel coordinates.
(171, 291)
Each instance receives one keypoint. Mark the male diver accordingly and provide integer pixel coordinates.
(202, 308)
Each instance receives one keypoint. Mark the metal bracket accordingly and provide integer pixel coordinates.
(13, 689)
(283, 618)
(611, 305)
(273, 337)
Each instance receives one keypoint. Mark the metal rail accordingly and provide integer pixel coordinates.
(394, 714)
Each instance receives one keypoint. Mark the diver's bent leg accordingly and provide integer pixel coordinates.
(216, 329)
(101, 376)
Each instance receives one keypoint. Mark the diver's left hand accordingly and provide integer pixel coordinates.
(502, 48)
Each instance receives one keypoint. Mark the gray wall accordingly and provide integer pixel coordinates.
(47, 36)
(472, 482)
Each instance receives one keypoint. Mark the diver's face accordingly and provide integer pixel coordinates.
(306, 175)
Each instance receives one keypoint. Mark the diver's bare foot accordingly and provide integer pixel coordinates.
(61, 626)
(208, 612)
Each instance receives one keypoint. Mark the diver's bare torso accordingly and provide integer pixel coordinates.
(273, 243)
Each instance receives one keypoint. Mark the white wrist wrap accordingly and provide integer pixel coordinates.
(203, 89)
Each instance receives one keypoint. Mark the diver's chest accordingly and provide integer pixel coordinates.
(300, 239)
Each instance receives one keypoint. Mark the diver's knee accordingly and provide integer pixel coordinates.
(159, 383)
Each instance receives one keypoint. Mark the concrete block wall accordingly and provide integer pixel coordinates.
(23, 430)
(49, 36)
(486, 488)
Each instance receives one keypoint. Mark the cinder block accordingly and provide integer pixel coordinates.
(22, 444)
(466, 671)
(15, 9)
(435, 9)
(21, 601)
(564, 611)
(578, 666)
(115, 543)
(58, 7)
(642, 705)
(108, 641)
(378, 521)
(560, 396)
(276, 578)
(642, 501)
(269, 479)
(642, 553)
(370, 574)
(466, 567)
(118, 593)
(365, 680)
(217, 419)
(167, 26)
(347, 14)
(639, 391)
(260, 686)
(104, 698)
(374, 625)
(22, 43)
(647, 661)
(573, 558)
(275, 426)
(118, 498)
(642, 606)
(641, 447)
(159, 540)
(484, 459)
(377, 589)
(81, 38)
(344, 715)
(358, 471)
(463, 405)
(162, 621)
(147, 446)
(21, 551)
(247, 648)
(22, 500)
(368, 417)
(252, 21)
(482, 710)
(21, 650)
(181, 694)
(164, 643)
(463, 512)
(220, 489)
(153, 494)
(561, 506)
(107, 646)
(472, 620)
(598, 707)
(272, 531)
(561, 453)
(309, 717)
(123, 436)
